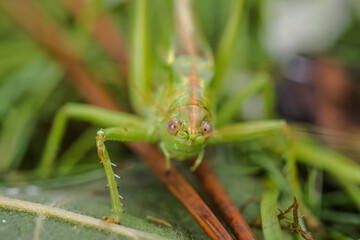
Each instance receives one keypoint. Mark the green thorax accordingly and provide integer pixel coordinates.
(180, 89)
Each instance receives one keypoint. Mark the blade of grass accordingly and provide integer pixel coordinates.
(9, 61)
(334, 234)
(107, 34)
(230, 108)
(270, 222)
(19, 123)
(353, 191)
(139, 71)
(15, 86)
(274, 173)
(314, 190)
(76, 151)
(341, 217)
(227, 44)
(311, 153)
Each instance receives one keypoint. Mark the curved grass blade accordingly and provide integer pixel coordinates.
(313, 154)
(270, 222)
(227, 44)
(20, 121)
(139, 73)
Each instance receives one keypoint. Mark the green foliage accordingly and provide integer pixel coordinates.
(144, 196)
(33, 88)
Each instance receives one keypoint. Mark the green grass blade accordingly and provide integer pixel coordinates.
(13, 54)
(227, 44)
(353, 191)
(341, 217)
(140, 61)
(270, 222)
(230, 108)
(20, 122)
(313, 190)
(76, 151)
(334, 234)
(311, 153)
(274, 173)
(269, 96)
(18, 84)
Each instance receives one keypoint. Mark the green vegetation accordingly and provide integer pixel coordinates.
(34, 85)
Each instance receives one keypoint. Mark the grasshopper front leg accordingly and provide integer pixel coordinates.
(117, 134)
(82, 112)
(133, 130)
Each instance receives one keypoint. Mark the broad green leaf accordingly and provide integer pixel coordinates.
(144, 196)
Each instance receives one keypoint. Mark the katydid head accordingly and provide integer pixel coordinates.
(184, 132)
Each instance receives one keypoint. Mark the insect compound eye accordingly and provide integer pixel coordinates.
(206, 127)
(172, 126)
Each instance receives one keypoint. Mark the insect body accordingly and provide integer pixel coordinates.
(187, 118)
(185, 125)
(189, 110)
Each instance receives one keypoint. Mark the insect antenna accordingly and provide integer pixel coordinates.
(331, 136)
(218, 132)
(231, 130)
(157, 106)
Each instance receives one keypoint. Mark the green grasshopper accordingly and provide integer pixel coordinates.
(181, 119)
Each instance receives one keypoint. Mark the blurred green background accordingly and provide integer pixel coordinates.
(309, 50)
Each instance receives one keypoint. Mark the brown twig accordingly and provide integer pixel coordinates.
(176, 183)
(282, 214)
(107, 34)
(293, 227)
(157, 220)
(50, 36)
(186, 32)
(222, 200)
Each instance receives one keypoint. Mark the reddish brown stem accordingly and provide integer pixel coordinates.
(222, 200)
(176, 183)
(50, 36)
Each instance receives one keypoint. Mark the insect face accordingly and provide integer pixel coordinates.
(189, 123)
(184, 132)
